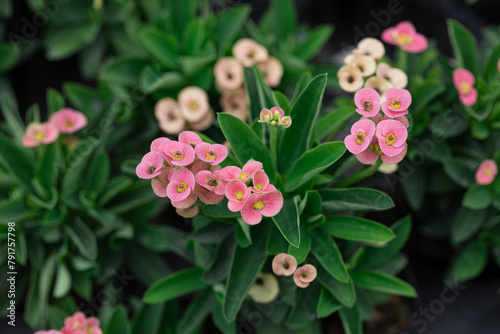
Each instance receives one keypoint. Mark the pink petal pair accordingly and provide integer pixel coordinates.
(304, 275)
(284, 264)
(397, 102)
(391, 136)
(39, 133)
(361, 135)
(176, 153)
(68, 120)
(237, 193)
(211, 153)
(464, 81)
(210, 180)
(181, 185)
(150, 165)
(258, 205)
(371, 154)
(406, 37)
(367, 101)
(261, 183)
(486, 172)
(244, 174)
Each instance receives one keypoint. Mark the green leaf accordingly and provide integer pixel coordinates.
(327, 304)
(378, 281)
(113, 188)
(477, 197)
(297, 138)
(490, 68)
(161, 45)
(62, 43)
(194, 36)
(458, 172)
(55, 101)
(313, 162)
(46, 280)
(351, 320)
(152, 79)
(220, 322)
(466, 223)
(83, 98)
(470, 262)
(424, 94)
(302, 252)
(247, 264)
(11, 209)
(124, 71)
(305, 311)
(9, 107)
(219, 268)
(56, 316)
(198, 309)
(174, 285)
(83, 238)
(357, 229)
(345, 293)
(48, 166)
(314, 42)
(148, 318)
(327, 253)
(414, 188)
(77, 163)
(448, 124)
(17, 163)
(63, 281)
(374, 256)
(8, 56)
(276, 243)
(98, 172)
(244, 142)
(230, 23)
(330, 124)
(283, 22)
(220, 210)
(355, 199)
(288, 221)
(464, 45)
(118, 322)
(259, 94)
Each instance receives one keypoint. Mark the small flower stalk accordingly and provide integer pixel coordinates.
(275, 117)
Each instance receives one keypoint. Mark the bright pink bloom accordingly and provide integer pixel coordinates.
(236, 193)
(397, 102)
(406, 37)
(155, 144)
(391, 136)
(230, 173)
(190, 138)
(401, 119)
(210, 180)
(76, 321)
(487, 172)
(150, 165)
(258, 205)
(261, 183)
(214, 154)
(277, 112)
(177, 154)
(464, 82)
(68, 120)
(304, 275)
(371, 154)
(361, 135)
(181, 185)
(284, 264)
(93, 326)
(207, 196)
(39, 133)
(159, 183)
(367, 102)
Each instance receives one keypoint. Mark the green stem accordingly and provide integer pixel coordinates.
(361, 175)
(402, 59)
(273, 141)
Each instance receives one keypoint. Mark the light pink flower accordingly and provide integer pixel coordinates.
(230, 173)
(228, 74)
(236, 193)
(361, 135)
(211, 181)
(235, 104)
(304, 275)
(76, 321)
(397, 102)
(204, 123)
(371, 154)
(402, 119)
(248, 52)
(395, 76)
(370, 47)
(177, 154)
(52, 331)
(213, 154)
(69, 330)
(284, 264)
(391, 136)
(406, 37)
(68, 120)
(181, 185)
(367, 102)
(168, 116)
(365, 64)
(155, 144)
(487, 172)
(464, 82)
(93, 326)
(150, 165)
(188, 213)
(350, 78)
(190, 138)
(39, 133)
(261, 183)
(272, 71)
(207, 196)
(193, 104)
(258, 205)
(159, 183)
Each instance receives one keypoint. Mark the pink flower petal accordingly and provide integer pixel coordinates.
(388, 35)
(367, 157)
(235, 206)
(284, 264)
(207, 196)
(418, 45)
(260, 180)
(252, 167)
(273, 203)
(248, 213)
(486, 172)
(367, 95)
(155, 144)
(237, 191)
(212, 154)
(352, 145)
(470, 99)
(190, 138)
(395, 159)
(406, 27)
(391, 151)
(185, 203)
(183, 175)
(204, 177)
(230, 173)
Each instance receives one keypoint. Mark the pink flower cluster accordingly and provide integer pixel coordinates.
(464, 81)
(77, 324)
(63, 121)
(406, 37)
(188, 169)
(376, 135)
(190, 111)
(486, 172)
(286, 265)
(229, 79)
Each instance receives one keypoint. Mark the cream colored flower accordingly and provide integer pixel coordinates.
(350, 78)
(265, 289)
(193, 103)
(379, 84)
(235, 104)
(370, 47)
(395, 76)
(248, 52)
(169, 117)
(286, 121)
(388, 168)
(365, 64)
(272, 70)
(228, 74)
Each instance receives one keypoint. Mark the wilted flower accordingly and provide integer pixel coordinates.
(193, 103)
(248, 52)
(265, 289)
(272, 71)
(169, 117)
(350, 78)
(396, 77)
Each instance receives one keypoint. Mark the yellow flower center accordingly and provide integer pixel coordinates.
(239, 195)
(242, 176)
(367, 106)
(487, 171)
(403, 39)
(395, 104)
(181, 187)
(178, 155)
(194, 105)
(258, 205)
(68, 123)
(390, 139)
(360, 137)
(211, 155)
(465, 87)
(39, 136)
(76, 324)
(258, 186)
(376, 149)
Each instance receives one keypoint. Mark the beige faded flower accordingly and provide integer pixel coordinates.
(388, 168)
(379, 84)
(169, 117)
(228, 74)
(265, 289)
(370, 47)
(350, 78)
(285, 121)
(204, 123)
(235, 104)
(395, 76)
(248, 52)
(193, 103)
(365, 64)
(272, 70)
